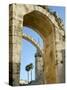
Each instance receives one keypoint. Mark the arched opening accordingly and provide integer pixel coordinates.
(28, 55)
(41, 24)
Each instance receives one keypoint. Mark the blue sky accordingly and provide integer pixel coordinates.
(28, 50)
(59, 10)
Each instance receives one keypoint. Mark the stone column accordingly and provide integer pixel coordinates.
(39, 68)
(49, 67)
(60, 56)
(15, 38)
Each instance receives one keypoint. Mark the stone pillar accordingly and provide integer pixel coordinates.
(61, 70)
(60, 56)
(49, 61)
(39, 68)
(15, 38)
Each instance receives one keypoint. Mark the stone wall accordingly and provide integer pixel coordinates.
(15, 37)
(60, 55)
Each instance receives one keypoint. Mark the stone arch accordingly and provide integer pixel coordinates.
(46, 25)
(33, 41)
(42, 25)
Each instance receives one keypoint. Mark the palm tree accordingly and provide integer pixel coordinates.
(28, 68)
(31, 67)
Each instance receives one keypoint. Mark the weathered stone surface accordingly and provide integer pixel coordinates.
(39, 68)
(46, 25)
(14, 71)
